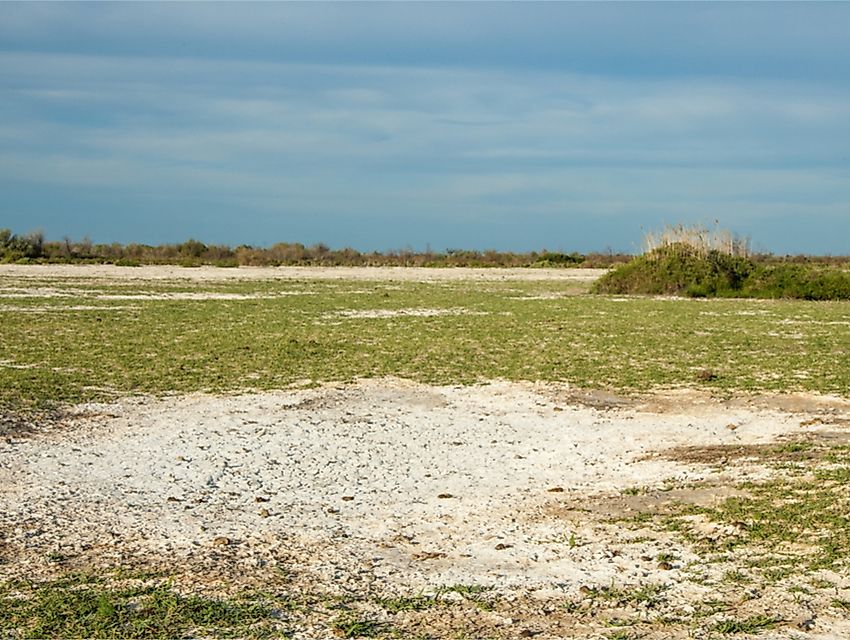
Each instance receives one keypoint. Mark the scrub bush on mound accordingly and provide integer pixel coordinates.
(681, 269)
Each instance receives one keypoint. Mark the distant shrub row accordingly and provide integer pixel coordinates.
(680, 269)
(33, 248)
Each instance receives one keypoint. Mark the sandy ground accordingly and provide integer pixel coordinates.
(381, 486)
(213, 274)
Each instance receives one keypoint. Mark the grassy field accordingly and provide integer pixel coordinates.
(72, 340)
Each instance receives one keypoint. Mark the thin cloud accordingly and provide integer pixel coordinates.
(301, 115)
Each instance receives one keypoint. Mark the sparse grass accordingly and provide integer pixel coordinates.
(474, 593)
(737, 576)
(634, 491)
(752, 624)
(353, 626)
(783, 513)
(83, 606)
(59, 350)
(844, 605)
(648, 595)
(466, 590)
(417, 602)
(778, 530)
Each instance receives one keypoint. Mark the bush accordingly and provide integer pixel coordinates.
(681, 269)
(551, 259)
(799, 281)
(15, 248)
(678, 270)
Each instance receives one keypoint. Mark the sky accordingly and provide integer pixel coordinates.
(387, 126)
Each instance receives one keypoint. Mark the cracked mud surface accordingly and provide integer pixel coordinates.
(386, 489)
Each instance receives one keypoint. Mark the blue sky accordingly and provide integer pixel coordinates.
(512, 126)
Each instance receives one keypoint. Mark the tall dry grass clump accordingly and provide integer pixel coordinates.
(696, 239)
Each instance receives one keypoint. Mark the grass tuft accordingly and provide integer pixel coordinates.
(753, 624)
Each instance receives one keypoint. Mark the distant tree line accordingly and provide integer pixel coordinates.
(32, 248)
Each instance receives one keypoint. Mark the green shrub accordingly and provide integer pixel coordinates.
(680, 269)
(551, 259)
(798, 281)
(14, 248)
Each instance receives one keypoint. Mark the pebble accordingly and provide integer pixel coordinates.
(221, 541)
(806, 623)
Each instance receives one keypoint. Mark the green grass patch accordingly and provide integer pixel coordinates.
(353, 626)
(57, 350)
(779, 528)
(417, 602)
(647, 595)
(80, 606)
(753, 624)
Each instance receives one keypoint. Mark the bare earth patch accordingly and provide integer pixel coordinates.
(509, 500)
(111, 273)
(396, 313)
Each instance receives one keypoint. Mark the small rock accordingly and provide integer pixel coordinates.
(221, 541)
(172, 499)
(347, 498)
(556, 490)
(502, 546)
(445, 495)
(332, 510)
(264, 513)
(665, 566)
(731, 426)
(260, 499)
(428, 555)
(806, 623)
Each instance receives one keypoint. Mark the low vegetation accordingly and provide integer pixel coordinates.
(795, 522)
(70, 339)
(681, 269)
(32, 248)
(88, 606)
(67, 340)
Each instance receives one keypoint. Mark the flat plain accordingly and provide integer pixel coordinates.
(416, 453)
